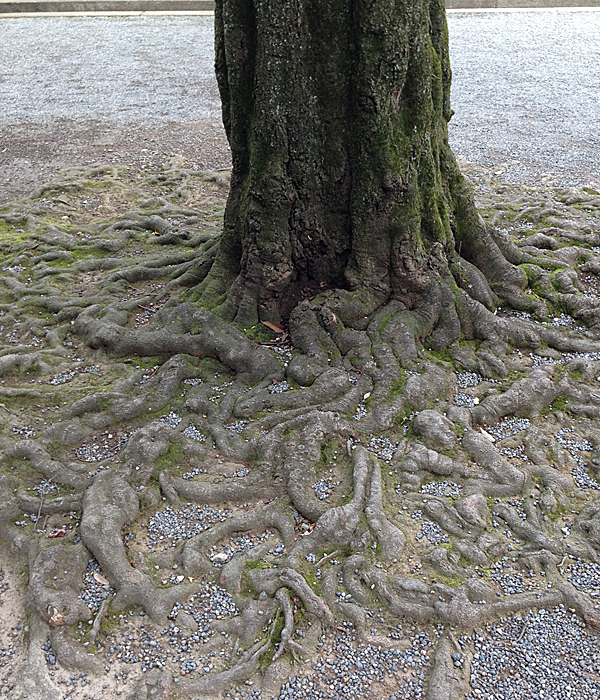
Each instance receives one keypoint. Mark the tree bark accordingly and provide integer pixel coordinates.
(337, 116)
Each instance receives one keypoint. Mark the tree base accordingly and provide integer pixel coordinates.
(357, 473)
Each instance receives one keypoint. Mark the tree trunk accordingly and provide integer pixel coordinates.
(349, 220)
(337, 115)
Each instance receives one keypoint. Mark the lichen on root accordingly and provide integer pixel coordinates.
(365, 467)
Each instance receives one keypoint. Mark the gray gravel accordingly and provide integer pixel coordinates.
(465, 400)
(432, 531)
(192, 432)
(585, 576)
(383, 447)
(525, 88)
(125, 70)
(171, 525)
(467, 379)
(94, 591)
(546, 654)
(105, 446)
(177, 645)
(566, 357)
(579, 473)
(347, 669)
(133, 89)
(323, 488)
(508, 427)
(442, 488)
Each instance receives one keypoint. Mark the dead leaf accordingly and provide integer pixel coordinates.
(487, 435)
(101, 580)
(56, 533)
(273, 326)
(55, 618)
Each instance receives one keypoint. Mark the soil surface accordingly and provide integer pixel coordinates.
(75, 91)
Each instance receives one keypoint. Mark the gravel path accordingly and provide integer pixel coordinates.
(526, 88)
(80, 90)
(74, 91)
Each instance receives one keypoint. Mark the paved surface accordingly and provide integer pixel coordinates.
(62, 6)
(490, 4)
(82, 90)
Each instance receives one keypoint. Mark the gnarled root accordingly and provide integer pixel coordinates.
(339, 524)
(271, 580)
(287, 643)
(421, 388)
(108, 504)
(445, 682)
(185, 330)
(34, 681)
(192, 551)
(218, 682)
(390, 537)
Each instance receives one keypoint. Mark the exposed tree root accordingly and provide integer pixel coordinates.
(255, 521)
(378, 463)
(271, 581)
(34, 681)
(108, 504)
(445, 680)
(244, 668)
(390, 538)
(287, 643)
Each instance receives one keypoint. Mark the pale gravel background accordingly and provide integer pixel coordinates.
(80, 90)
(124, 70)
(527, 87)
